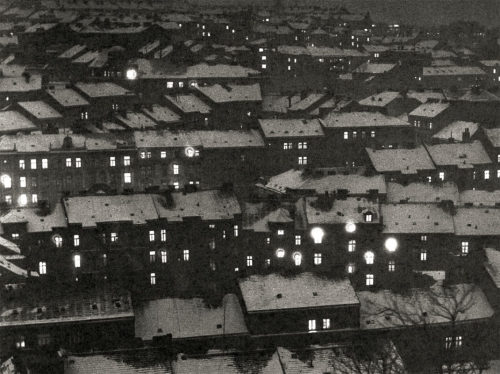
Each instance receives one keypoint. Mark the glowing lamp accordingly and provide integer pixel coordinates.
(280, 253)
(6, 181)
(189, 151)
(350, 227)
(131, 74)
(297, 258)
(22, 200)
(391, 244)
(317, 234)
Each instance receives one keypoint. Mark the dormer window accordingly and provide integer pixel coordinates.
(368, 217)
(281, 232)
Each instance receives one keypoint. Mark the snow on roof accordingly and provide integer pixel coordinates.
(189, 318)
(39, 109)
(493, 136)
(273, 292)
(492, 265)
(162, 114)
(441, 53)
(437, 305)
(429, 110)
(67, 97)
(480, 198)
(306, 102)
(372, 48)
(463, 155)
(455, 130)
(10, 246)
(490, 63)
(477, 221)
(12, 121)
(136, 120)
(166, 139)
(285, 128)
(6, 265)
(73, 51)
(85, 307)
(278, 103)
(233, 363)
(351, 209)
(144, 361)
(361, 119)
(256, 223)
(354, 183)
(452, 70)
(479, 96)
(374, 68)
(21, 84)
(86, 58)
(232, 92)
(422, 193)
(189, 103)
(164, 52)
(424, 96)
(88, 211)
(400, 160)
(209, 205)
(48, 142)
(416, 219)
(381, 99)
(102, 89)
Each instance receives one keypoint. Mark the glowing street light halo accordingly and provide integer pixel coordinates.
(391, 244)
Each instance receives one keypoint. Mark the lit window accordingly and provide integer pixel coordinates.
(223, 234)
(176, 185)
(249, 261)
(78, 162)
(429, 179)
(22, 200)
(163, 257)
(76, 240)
(281, 232)
(264, 58)
(211, 226)
(312, 325)
(441, 175)
(297, 258)
(448, 343)
(289, 67)
(280, 253)
(236, 231)
(127, 177)
(302, 160)
(114, 237)
(126, 160)
(369, 279)
(372, 134)
(298, 239)
(163, 235)
(22, 182)
(176, 169)
(21, 342)
(423, 254)
(152, 279)
(498, 173)
(58, 240)
(369, 257)
(151, 236)
(15, 236)
(163, 154)
(45, 163)
(261, 49)
(264, 66)
(170, 84)
(142, 155)
(112, 161)
(268, 240)
(392, 266)
(152, 256)
(458, 341)
(351, 268)
(351, 246)
(317, 234)
(33, 163)
(8, 199)
(287, 145)
(185, 254)
(423, 238)
(6, 181)
(326, 323)
(368, 217)
(346, 135)
(76, 260)
(22, 165)
(486, 174)
(68, 162)
(317, 259)
(465, 248)
(181, 84)
(498, 158)
(302, 145)
(42, 267)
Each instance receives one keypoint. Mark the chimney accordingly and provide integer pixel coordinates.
(466, 135)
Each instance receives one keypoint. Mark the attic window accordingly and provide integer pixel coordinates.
(279, 296)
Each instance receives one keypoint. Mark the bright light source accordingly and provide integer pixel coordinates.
(297, 258)
(280, 253)
(189, 151)
(131, 74)
(317, 234)
(350, 227)
(6, 181)
(391, 244)
(22, 200)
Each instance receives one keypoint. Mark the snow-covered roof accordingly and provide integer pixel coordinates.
(429, 110)
(39, 109)
(407, 161)
(422, 193)
(303, 291)
(361, 119)
(67, 97)
(416, 219)
(232, 93)
(480, 198)
(381, 99)
(36, 222)
(12, 121)
(285, 128)
(477, 221)
(463, 155)
(189, 103)
(102, 89)
(455, 130)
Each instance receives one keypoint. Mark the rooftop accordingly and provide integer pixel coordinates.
(424, 96)
(480, 198)
(189, 103)
(307, 101)
(136, 120)
(493, 136)
(381, 99)
(232, 93)
(374, 68)
(462, 155)
(430, 110)
(492, 265)
(67, 97)
(422, 193)
(416, 219)
(12, 121)
(477, 221)
(162, 114)
(455, 131)
(102, 89)
(273, 292)
(73, 51)
(39, 109)
(407, 161)
(189, 318)
(452, 70)
(21, 84)
(284, 128)
(361, 119)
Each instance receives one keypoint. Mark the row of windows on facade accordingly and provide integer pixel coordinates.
(354, 135)
(300, 145)
(486, 175)
(417, 123)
